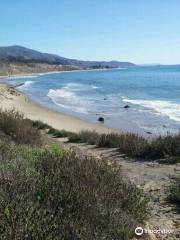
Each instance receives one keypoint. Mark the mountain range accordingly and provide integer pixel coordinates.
(18, 56)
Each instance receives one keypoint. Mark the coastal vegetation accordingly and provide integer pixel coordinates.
(18, 128)
(166, 148)
(175, 193)
(52, 193)
(50, 130)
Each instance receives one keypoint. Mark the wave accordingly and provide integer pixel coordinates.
(67, 99)
(79, 87)
(71, 96)
(23, 76)
(60, 93)
(94, 87)
(25, 85)
(73, 108)
(74, 87)
(166, 108)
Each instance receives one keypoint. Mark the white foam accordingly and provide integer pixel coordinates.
(26, 85)
(67, 99)
(23, 76)
(79, 87)
(166, 108)
(94, 87)
(75, 87)
(60, 93)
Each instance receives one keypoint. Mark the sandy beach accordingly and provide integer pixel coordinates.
(10, 98)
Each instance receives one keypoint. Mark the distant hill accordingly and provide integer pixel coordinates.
(17, 59)
(22, 54)
(25, 55)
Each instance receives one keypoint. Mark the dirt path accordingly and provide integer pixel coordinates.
(153, 178)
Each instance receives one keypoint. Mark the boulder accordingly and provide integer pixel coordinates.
(126, 106)
(101, 119)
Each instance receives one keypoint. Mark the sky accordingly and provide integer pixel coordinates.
(140, 31)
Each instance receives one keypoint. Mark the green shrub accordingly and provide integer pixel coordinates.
(175, 193)
(54, 194)
(13, 124)
(40, 125)
(167, 147)
(58, 133)
(74, 138)
(90, 137)
(108, 140)
(129, 144)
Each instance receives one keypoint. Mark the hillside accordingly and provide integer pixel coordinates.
(17, 59)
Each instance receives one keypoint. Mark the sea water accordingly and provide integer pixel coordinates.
(151, 92)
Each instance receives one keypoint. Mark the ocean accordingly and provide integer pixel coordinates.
(151, 92)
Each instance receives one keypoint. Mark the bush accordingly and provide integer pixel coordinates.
(167, 147)
(54, 132)
(74, 138)
(58, 133)
(40, 125)
(90, 137)
(54, 194)
(13, 124)
(109, 140)
(175, 193)
(129, 144)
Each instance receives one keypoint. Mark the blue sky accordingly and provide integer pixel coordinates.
(141, 31)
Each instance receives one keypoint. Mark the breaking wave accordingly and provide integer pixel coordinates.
(26, 85)
(67, 99)
(166, 108)
(71, 96)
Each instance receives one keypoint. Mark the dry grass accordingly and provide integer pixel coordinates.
(19, 129)
(175, 193)
(167, 147)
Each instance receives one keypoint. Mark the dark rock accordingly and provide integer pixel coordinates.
(126, 106)
(105, 98)
(149, 132)
(101, 119)
(164, 126)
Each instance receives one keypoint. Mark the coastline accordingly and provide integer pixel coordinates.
(66, 121)
(24, 75)
(10, 98)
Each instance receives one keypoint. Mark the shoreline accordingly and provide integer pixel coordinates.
(24, 75)
(10, 98)
(68, 121)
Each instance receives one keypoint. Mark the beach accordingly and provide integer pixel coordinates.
(10, 98)
(152, 104)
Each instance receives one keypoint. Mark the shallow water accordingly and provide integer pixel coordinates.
(153, 94)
